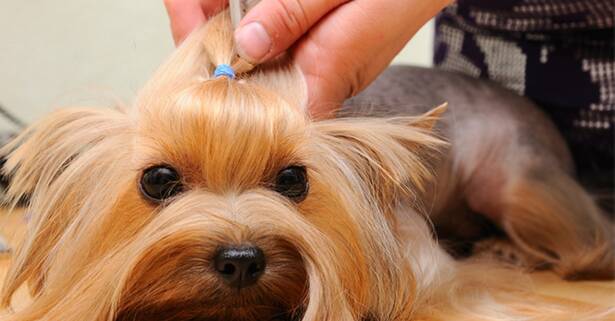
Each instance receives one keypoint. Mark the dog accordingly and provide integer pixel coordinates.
(218, 198)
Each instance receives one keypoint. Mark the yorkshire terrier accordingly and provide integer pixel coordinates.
(217, 198)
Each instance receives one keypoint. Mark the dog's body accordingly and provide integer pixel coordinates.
(507, 163)
(218, 199)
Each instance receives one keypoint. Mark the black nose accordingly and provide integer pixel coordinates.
(240, 266)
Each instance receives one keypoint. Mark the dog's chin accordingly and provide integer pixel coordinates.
(195, 312)
(249, 304)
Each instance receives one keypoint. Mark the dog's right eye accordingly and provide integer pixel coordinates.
(292, 182)
(160, 182)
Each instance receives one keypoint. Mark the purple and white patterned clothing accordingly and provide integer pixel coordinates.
(559, 53)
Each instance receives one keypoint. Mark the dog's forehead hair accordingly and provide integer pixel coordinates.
(224, 133)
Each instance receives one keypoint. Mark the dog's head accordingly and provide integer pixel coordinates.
(216, 199)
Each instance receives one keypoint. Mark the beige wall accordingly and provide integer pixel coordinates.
(91, 52)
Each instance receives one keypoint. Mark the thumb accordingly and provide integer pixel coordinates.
(272, 26)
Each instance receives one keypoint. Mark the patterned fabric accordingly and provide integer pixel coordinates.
(559, 53)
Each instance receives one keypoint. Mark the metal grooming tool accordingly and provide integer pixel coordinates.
(238, 9)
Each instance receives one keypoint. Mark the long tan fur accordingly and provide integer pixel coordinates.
(357, 248)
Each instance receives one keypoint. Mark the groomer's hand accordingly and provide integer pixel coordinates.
(340, 45)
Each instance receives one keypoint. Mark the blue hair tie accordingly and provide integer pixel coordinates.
(224, 70)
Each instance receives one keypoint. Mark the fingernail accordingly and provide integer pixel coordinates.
(253, 42)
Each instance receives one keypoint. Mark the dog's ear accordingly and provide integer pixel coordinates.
(390, 155)
(58, 161)
(39, 154)
(429, 119)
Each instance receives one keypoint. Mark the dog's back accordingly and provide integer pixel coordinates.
(508, 172)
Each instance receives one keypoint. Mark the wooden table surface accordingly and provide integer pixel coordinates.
(12, 226)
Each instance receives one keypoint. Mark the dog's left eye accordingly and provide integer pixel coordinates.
(292, 182)
(160, 182)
